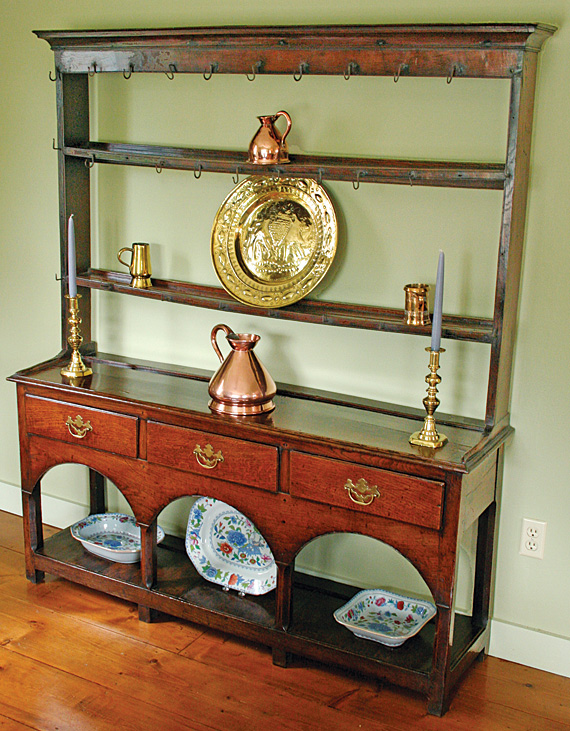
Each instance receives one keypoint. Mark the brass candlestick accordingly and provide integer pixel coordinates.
(76, 370)
(428, 436)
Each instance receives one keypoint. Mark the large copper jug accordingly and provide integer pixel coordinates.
(241, 386)
(268, 146)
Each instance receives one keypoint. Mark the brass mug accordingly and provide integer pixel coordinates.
(416, 308)
(139, 266)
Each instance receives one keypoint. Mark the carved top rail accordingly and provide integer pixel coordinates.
(482, 50)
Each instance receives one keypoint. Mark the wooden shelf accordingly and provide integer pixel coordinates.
(350, 169)
(187, 595)
(478, 330)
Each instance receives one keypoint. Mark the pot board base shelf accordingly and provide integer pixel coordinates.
(314, 634)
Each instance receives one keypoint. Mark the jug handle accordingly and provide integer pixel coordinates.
(215, 331)
(119, 256)
(289, 123)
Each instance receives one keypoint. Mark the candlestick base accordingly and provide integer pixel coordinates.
(76, 371)
(428, 436)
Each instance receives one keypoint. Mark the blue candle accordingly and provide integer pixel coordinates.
(438, 304)
(71, 266)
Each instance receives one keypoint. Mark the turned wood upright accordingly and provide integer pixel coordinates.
(287, 471)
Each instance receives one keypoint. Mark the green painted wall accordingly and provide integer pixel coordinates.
(388, 236)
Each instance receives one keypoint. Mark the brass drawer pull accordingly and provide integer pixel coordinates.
(362, 493)
(77, 427)
(206, 457)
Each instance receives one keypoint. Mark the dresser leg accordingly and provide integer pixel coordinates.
(146, 614)
(281, 657)
(33, 531)
(438, 696)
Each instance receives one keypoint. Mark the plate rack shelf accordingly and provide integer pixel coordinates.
(146, 418)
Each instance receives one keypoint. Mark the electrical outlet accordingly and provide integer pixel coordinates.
(533, 535)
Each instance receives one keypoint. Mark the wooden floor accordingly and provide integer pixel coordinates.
(72, 659)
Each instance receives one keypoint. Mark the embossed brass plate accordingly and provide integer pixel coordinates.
(273, 240)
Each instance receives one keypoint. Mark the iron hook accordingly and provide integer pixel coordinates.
(398, 72)
(213, 68)
(54, 78)
(171, 71)
(54, 145)
(320, 175)
(129, 73)
(350, 69)
(356, 183)
(452, 74)
(235, 178)
(159, 165)
(298, 75)
(254, 69)
(92, 70)
(198, 170)
(89, 162)
(412, 177)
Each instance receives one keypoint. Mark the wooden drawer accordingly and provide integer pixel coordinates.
(373, 491)
(223, 458)
(94, 428)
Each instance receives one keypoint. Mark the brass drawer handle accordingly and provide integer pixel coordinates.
(77, 427)
(362, 493)
(207, 458)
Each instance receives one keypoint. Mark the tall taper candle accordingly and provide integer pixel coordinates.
(438, 304)
(71, 266)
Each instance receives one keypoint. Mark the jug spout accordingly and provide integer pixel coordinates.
(242, 385)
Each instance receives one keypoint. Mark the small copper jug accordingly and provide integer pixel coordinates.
(268, 147)
(241, 386)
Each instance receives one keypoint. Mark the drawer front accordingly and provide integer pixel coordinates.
(223, 458)
(370, 490)
(116, 433)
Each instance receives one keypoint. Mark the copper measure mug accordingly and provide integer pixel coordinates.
(268, 146)
(139, 266)
(241, 386)
(416, 309)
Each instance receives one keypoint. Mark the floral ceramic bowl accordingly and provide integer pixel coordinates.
(114, 536)
(384, 617)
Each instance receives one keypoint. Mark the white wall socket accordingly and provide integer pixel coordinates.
(533, 535)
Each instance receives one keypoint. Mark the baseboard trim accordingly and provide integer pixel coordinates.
(508, 641)
(530, 647)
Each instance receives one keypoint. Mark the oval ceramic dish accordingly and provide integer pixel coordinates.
(114, 536)
(227, 549)
(384, 617)
(273, 240)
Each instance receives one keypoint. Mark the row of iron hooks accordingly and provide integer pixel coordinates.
(351, 70)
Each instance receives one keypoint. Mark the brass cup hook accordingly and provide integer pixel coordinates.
(92, 69)
(452, 74)
(129, 73)
(401, 67)
(89, 161)
(159, 166)
(351, 69)
(56, 77)
(171, 71)
(356, 183)
(235, 177)
(198, 171)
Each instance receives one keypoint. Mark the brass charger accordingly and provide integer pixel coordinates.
(273, 240)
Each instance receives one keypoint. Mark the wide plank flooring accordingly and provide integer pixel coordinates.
(73, 659)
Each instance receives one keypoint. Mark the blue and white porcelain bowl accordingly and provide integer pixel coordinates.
(114, 536)
(384, 617)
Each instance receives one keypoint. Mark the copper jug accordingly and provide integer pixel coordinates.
(241, 386)
(268, 147)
